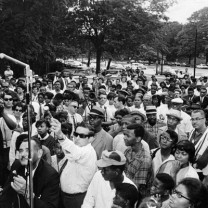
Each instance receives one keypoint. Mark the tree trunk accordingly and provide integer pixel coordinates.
(109, 62)
(189, 60)
(98, 58)
(88, 57)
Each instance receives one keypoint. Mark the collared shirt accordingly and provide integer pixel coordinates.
(152, 129)
(80, 168)
(100, 194)
(195, 137)
(74, 120)
(44, 138)
(139, 169)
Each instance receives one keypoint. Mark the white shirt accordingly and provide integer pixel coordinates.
(185, 125)
(157, 161)
(80, 168)
(162, 111)
(100, 194)
(187, 172)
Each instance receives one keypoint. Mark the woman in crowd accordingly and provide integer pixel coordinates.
(167, 140)
(184, 153)
(190, 192)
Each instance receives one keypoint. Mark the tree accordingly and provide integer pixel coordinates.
(27, 30)
(116, 26)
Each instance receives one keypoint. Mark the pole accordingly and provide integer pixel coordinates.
(28, 74)
(195, 48)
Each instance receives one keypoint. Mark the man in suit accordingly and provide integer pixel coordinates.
(102, 140)
(45, 179)
(202, 99)
(190, 97)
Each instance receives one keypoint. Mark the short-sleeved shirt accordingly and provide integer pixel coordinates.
(139, 169)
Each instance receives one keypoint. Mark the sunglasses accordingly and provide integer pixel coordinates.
(18, 110)
(82, 136)
(8, 99)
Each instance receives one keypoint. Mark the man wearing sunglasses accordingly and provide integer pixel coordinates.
(74, 117)
(81, 165)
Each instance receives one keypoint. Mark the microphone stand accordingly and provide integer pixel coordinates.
(28, 73)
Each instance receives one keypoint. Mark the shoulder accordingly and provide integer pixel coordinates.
(107, 135)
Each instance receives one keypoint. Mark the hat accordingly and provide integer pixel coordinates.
(177, 100)
(124, 92)
(138, 113)
(151, 109)
(194, 106)
(111, 158)
(175, 113)
(97, 111)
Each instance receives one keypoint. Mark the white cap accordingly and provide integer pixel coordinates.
(177, 100)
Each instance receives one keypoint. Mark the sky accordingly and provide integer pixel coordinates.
(183, 9)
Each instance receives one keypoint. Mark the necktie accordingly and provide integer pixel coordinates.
(74, 122)
(40, 111)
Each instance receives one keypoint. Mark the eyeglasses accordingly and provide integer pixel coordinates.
(8, 99)
(18, 110)
(166, 138)
(179, 195)
(196, 119)
(82, 136)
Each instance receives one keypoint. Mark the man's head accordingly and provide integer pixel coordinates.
(147, 100)
(58, 150)
(102, 98)
(58, 98)
(203, 92)
(119, 114)
(127, 120)
(112, 165)
(163, 184)
(72, 107)
(96, 116)
(8, 100)
(42, 127)
(25, 123)
(22, 148)
(198, 119)
(139, 117)
(190, 92)
(18, 110)
(153, 89)
(151, 113)
(133, 134)
(40, 97)
(119, 102)
(82, 135)
(173, 118)
(126, 195)
(177, 103)
(57, 85)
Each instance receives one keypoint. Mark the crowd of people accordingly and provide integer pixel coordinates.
(124, 143)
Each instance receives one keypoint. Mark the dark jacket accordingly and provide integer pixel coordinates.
(204, 104)
(45, 188)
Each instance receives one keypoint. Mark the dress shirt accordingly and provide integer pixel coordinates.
(74, 120)
(80, 168)
(100, 194)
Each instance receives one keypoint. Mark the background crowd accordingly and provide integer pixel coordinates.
(130, 142)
